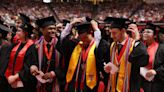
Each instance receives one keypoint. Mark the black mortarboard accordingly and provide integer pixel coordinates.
(46, 21)
(88, 19)
(27, 27)
(65, 21)
(3, 27)
(24, 18)
(161, 29)
(131, 22)
(151, 26)
(4, 30)
(108, 20)
(84, 27)
(117, 22)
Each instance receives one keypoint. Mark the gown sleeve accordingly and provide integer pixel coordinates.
(139, 55)
(29, 59)
(159, 63)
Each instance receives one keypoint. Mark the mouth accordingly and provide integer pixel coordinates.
(145, 38)
(52, 35)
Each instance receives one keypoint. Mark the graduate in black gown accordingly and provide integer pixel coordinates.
(48, 57)
(128, 56)
(80, 78)
(161, 34)
(153, 81)
(3, 34)
(15, 63)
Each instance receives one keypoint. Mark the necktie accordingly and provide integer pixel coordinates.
(119, 47)
(48, 47)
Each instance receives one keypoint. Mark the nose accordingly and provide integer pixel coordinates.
(50, 31)
(144, 33)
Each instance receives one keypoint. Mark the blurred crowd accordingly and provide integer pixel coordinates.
(153, 12)
(35, 10)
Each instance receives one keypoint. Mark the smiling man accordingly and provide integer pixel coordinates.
(48, 56)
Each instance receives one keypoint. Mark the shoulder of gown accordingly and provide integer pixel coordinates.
(139, 54)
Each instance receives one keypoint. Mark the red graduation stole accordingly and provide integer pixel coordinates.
(152, 49)
(122, 51)
(19, 59)
(48, 54)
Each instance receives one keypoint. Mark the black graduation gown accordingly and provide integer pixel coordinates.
(101, 54)
(28, 80)
(52, 67)
(138, 58)
(3, 42)
(157, 85)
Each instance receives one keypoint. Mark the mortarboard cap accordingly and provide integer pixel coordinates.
(131, 22)
(120, 23)
(3, 27)
(84, 27)
(117, 22)
(4, 30)
(46, 21)
(108, 20)
(161, 29)
(65, 21)
(27, 27)
(24, 18)
(151, 26)
(88, 19)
